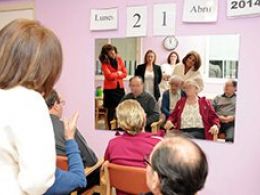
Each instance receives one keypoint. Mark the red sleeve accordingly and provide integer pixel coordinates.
(174, 116)
(122, 68)
(107, 72)
(213, 117)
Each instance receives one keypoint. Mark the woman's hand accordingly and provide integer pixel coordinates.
(214, 129)
(168, 125)
(70, 126)
(165, 77)
(226, 119)
(222, 118)
(230, 118)
(119, 73)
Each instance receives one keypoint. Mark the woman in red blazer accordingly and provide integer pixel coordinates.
(114, 71)
(194, 115)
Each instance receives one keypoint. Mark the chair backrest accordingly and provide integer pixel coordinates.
(131, 180)
(62, 162)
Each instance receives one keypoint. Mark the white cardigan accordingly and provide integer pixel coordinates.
(27, 146)
(191, 74)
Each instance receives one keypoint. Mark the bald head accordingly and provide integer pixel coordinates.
(181, 166)
(136, 85)
(230, 88)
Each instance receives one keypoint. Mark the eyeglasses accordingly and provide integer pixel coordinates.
(147, 161)
(60, 101)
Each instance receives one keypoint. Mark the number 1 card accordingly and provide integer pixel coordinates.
(164, 19)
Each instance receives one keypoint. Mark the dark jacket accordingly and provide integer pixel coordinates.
(149, 105)
(88, 156)
(140, 71)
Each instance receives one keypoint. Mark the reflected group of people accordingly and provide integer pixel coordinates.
(179, 82)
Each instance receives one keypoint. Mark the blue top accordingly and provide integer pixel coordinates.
(67, 181)
(165, 107)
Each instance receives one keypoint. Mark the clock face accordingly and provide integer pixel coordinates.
(170, 42)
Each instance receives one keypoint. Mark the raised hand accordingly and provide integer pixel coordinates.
(70, 126)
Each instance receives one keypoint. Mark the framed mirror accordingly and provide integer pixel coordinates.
(219, 65)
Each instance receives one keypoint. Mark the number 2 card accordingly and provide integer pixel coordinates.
(136, 21)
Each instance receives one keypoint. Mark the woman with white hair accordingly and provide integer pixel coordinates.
(131, 147)
(171, 96)
(194, 115)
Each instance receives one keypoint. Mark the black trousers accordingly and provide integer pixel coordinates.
(197, 133)
(112, 98)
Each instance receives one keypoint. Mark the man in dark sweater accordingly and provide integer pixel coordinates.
(146, 100)
(55, 105)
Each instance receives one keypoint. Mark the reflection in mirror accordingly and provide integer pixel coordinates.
(219, 69)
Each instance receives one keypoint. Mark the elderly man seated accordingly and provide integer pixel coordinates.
(225, 106)
(171, 96)
(177, 165)
(147, 101)
(55, 104)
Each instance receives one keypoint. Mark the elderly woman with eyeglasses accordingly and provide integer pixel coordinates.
(194, 115)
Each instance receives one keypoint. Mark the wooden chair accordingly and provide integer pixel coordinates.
(62, 163)
(131, 180)
(100, 112)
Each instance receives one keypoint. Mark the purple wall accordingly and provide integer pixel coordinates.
(234, 168)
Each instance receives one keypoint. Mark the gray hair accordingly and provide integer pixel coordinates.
(175, 79)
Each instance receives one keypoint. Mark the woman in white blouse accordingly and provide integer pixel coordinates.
(189, 68)
(167, 70)
(194, 115)
(30, 64)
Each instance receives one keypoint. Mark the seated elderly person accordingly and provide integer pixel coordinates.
(55, 104)
(171, 96)
(67, 181)
(194, 115)
(177, 166)
(131, 147)
(225, 106)
(146, 100)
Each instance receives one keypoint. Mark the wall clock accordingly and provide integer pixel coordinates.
(170, 42)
